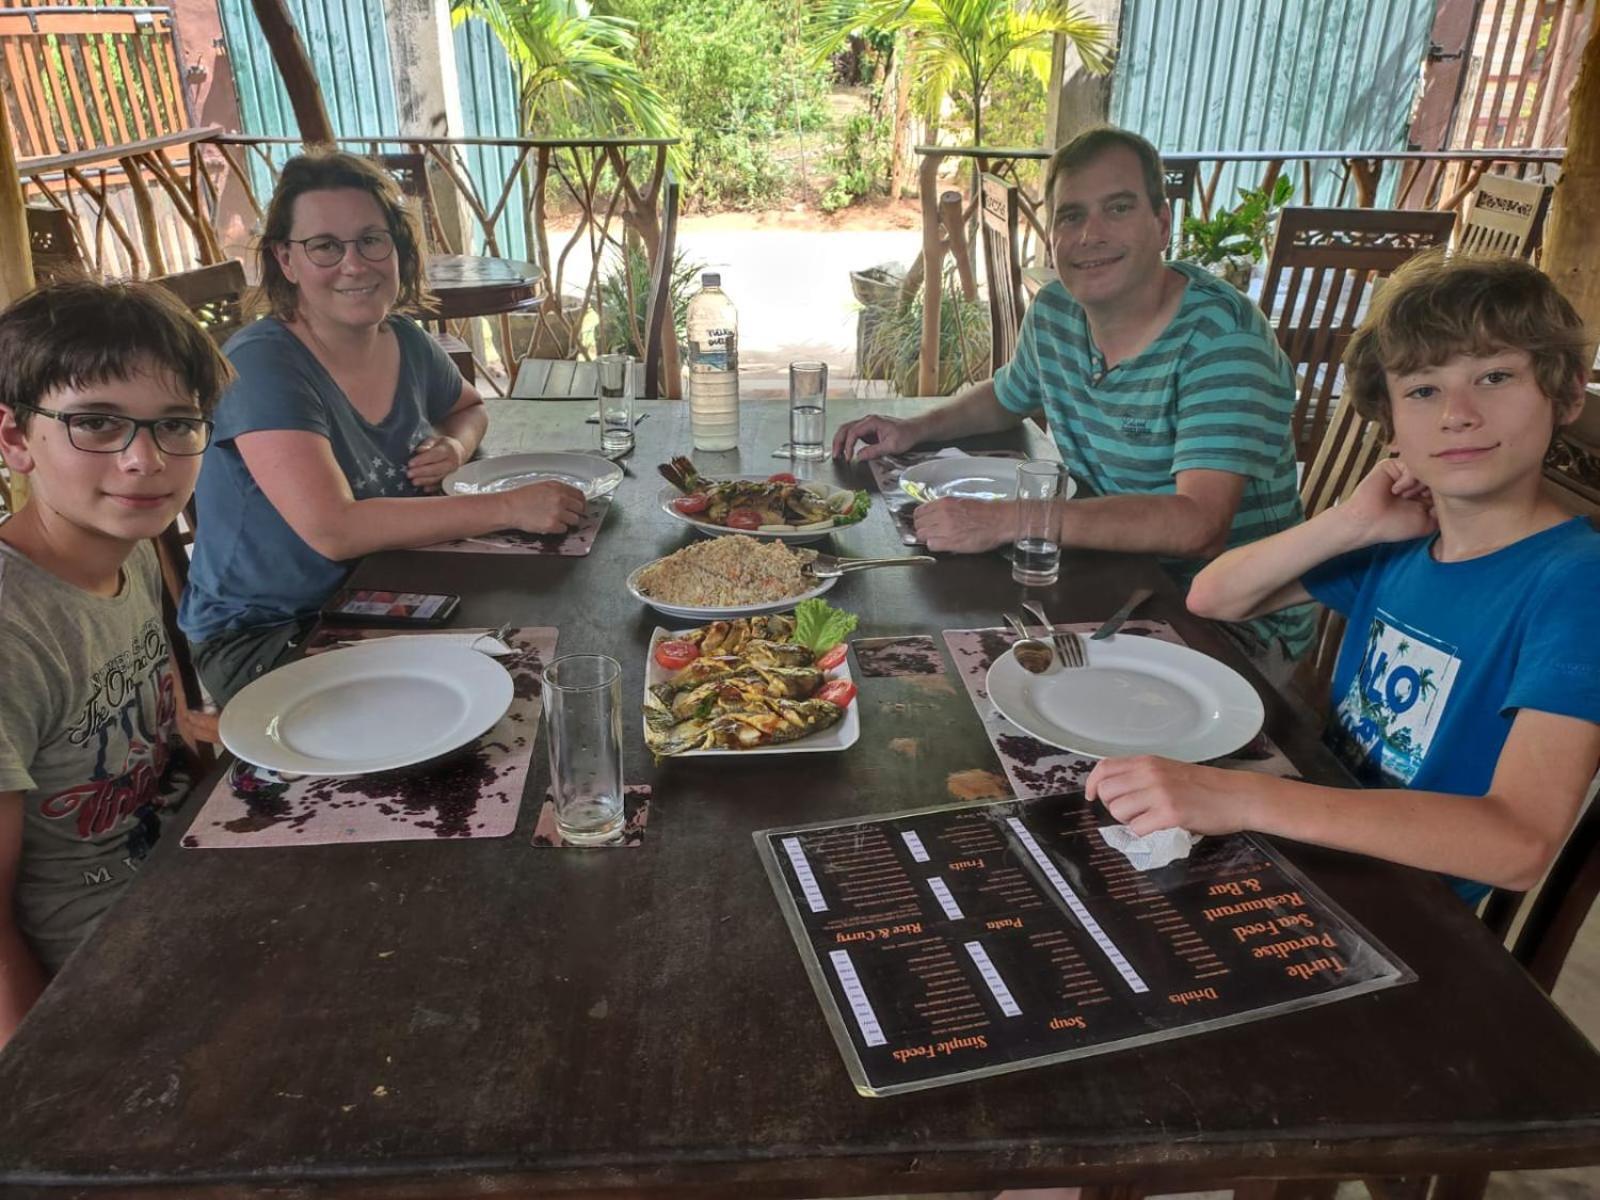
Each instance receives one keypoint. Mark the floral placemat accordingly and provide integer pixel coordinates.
(575, 543)
(886, 472)
(635, 816)
(1036, 769)
(889, 657)
(474, 792)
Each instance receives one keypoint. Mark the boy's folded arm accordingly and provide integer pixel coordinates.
(21, 976)
(1507, 837)
(1262, 577)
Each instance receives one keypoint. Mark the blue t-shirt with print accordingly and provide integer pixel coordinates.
(1438, 657)
(250, 568)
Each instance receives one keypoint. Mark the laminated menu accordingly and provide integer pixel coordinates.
(958, 942)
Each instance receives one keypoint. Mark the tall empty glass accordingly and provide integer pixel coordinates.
(808, 402)
(614, 395)
(1036, 557)
(583, 713)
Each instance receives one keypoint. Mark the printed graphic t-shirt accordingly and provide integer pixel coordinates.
(88, 735)
(1212, 392)
(1438, 658)
(250, 568)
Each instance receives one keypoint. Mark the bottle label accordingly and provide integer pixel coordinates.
(718, 352)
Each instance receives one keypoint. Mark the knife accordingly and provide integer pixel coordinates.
(1122, 614)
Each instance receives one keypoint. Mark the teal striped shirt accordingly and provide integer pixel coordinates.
(1212, 392)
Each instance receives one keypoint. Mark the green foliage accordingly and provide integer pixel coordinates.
(625, 299)
(896, 346)
(861, 160)
(1235, 233)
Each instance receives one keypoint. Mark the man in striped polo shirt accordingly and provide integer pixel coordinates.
(1164, 388)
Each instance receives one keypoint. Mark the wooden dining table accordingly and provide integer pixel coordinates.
(472, 285)
(448, 1018)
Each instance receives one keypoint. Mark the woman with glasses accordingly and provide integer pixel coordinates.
(343, 421)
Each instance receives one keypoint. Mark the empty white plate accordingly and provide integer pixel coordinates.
(1137, 695)
(589, 473)
(967, 478)
(366, 708)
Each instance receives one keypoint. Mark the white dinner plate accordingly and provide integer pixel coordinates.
(589, 473)
(723, 614)
(670, 493)
(365, 708)
(838, 737)
(967, 478)
(1137, 695)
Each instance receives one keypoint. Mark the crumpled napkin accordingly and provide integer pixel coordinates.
(1153, 850)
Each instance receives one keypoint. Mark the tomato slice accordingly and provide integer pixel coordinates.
(693, 503)
(832, 658)
(744, 518)
(675, 655)
(782, 477)
(838, 691)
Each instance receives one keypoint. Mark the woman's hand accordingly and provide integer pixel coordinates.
(433, 460)
(547, 507)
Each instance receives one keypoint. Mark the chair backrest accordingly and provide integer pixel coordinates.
(1001, 267)
(1504, 216)
(172, 551)
(1324, 262)
(1561, 905)
(1349, 449)
(214, 294)
(660, 324)
(53, 244)
(410, 171)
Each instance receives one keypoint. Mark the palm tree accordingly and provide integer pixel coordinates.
(574, 63)
(961, 45)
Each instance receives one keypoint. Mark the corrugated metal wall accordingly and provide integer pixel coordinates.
(489, 109)
(1271, 75)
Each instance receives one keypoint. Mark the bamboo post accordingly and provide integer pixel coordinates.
(299, 80)
(956, 240)
(932, 275)
(1571, 244)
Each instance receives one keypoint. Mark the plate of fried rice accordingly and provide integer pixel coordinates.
(732, 576)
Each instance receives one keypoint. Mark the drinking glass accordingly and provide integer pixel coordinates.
(1036, 557)
(808, 399)
(583, 711)
(614, 395)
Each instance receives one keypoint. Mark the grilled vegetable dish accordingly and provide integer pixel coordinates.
(778, 504)
(737, 685)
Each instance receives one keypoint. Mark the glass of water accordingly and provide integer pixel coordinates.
(808, 401)
(614, 395)
(1036, 557)
(583, 711)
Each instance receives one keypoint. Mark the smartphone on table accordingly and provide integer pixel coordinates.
(372, 607)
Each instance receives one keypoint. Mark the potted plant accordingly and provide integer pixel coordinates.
(1232, 240)
(895, 348)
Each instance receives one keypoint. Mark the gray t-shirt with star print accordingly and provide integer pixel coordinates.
(250, 568)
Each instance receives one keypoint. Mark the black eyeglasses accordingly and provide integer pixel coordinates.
(109, 433)
(328, 251)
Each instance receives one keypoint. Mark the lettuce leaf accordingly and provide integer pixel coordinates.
(819, 627)
(857, 510)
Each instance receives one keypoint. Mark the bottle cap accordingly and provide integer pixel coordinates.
(710, 279)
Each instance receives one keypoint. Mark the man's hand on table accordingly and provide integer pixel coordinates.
(877, 436)
(966, 526)
(1148, 794)
(547, 507)
(434, 459)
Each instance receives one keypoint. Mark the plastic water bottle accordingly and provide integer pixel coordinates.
(713, 329)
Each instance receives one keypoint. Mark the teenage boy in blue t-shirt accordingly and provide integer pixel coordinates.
(1467, 692)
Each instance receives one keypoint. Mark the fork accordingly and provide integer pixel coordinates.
(1068, 647)
(831, 566)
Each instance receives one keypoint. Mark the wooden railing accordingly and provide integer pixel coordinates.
(1441, 180)
(196, 198)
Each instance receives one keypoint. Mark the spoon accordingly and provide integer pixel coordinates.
(1032, 655)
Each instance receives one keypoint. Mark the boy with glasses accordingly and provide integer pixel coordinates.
(104, 407)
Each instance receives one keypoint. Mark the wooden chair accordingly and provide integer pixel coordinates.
(172, 550)
(214, 294)
(53, 244)
(566, 379)
(1324, 263)
(1504, 216)
(999, 214)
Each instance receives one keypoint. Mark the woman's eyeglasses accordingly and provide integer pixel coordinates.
(109, 433)
(328, 251)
